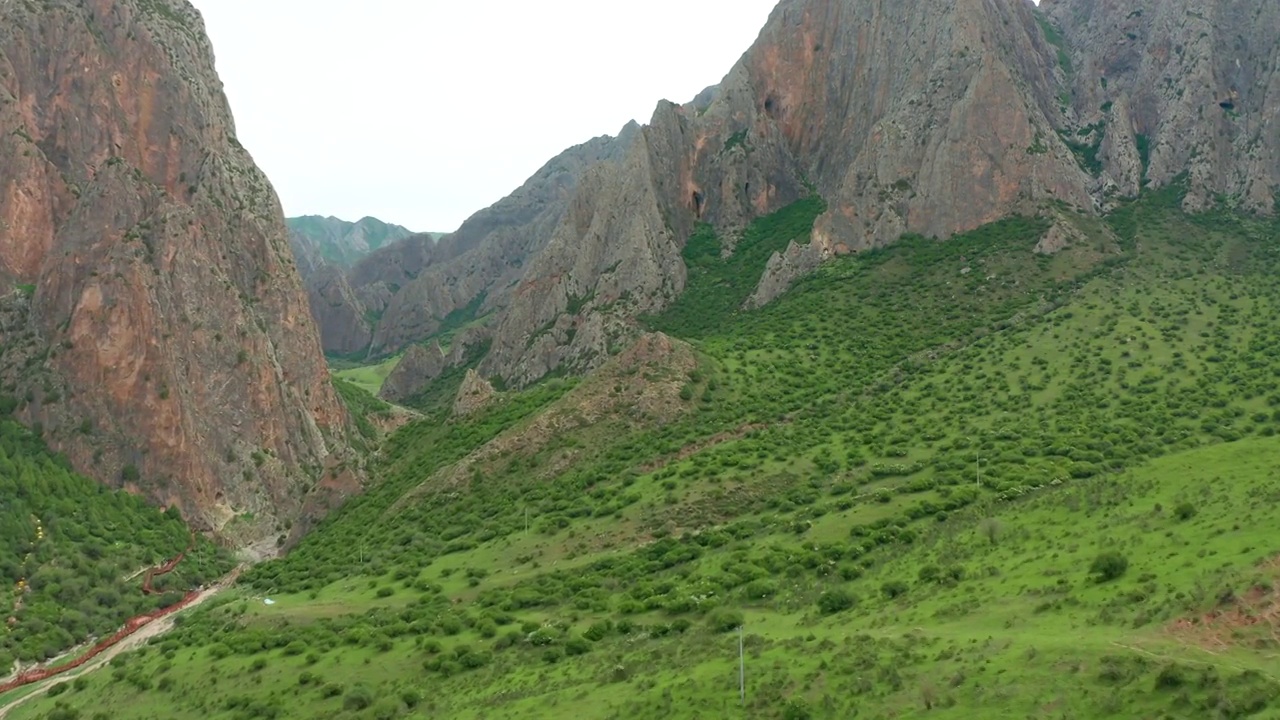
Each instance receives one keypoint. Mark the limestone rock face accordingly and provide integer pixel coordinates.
(182, 359)
(906, 116)
(1197, 81)
(475, 394)
(419, 366)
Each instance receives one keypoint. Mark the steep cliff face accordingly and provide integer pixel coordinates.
(1180, 87)
(473, 271)
(325, 249)
(167, 343)
(409, 290)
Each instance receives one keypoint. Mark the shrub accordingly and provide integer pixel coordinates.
(387, 710)
(1109, 566)
(834, 601)
(796, 709)
(598, 631)
(759, 589)
(357, 698)
(1185, 511)
(894, 588)
(411, 698)
(930, 574)
(724, 620)
(1170, 678)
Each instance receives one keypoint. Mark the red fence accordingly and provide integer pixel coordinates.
(132, 626)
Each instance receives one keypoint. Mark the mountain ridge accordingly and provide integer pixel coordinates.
(994, 110)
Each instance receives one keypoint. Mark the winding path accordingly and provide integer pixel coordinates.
(139, 637)
(135, 631)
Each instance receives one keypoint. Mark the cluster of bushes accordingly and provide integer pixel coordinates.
(71, 542)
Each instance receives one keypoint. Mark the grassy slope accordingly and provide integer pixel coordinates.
(819, 486)
(369, 377)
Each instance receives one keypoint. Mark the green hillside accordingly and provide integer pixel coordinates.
(955, 479)
(71, 552)
(345, 243)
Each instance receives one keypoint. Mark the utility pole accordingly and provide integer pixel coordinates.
(742, 669)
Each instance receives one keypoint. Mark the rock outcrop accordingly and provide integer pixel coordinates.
(419, 366)
(325, 249)
(166, 344)
(345, 325)
(1180, 87)
(408, 290)
(475, 395)
(906, 117)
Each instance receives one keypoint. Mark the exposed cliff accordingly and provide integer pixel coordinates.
(1179, 87)
(905, 116)
(167, 344)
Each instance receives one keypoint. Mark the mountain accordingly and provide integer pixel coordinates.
(905, 120)
(340, 242)
(424, 286)
(831, 455)
(156, 330)
(325, 248)
(930, 480)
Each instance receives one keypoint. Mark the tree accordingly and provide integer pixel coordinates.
(1109, 566)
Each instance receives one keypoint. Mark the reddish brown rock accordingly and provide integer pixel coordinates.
(182, 356)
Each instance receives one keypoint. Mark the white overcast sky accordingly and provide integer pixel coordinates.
(421, 112)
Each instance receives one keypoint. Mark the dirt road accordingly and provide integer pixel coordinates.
(144, 634)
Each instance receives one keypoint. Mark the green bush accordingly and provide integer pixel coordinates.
(834, 601)
(894, 589)
(724, 620)
(1108, 566)
(358, 698)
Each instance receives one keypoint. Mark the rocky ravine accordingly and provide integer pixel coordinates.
(166, 343)
(910, 116)
(325, 248)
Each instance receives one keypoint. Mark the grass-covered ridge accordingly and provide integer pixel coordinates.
(900, 478)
